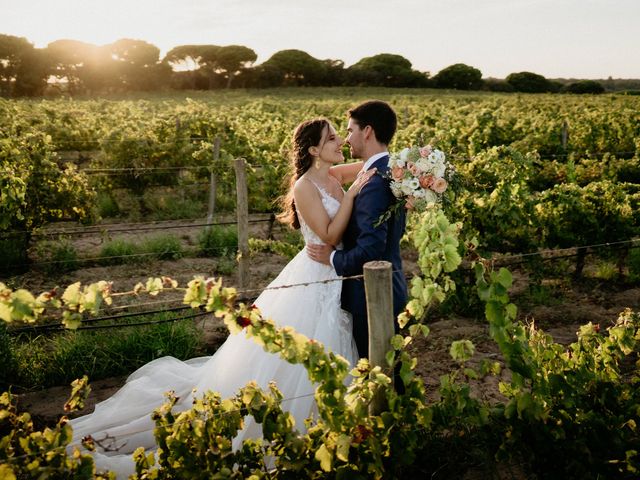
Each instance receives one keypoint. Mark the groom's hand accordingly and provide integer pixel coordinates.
(320, 253)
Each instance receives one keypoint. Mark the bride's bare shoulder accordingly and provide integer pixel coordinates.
(305, 187)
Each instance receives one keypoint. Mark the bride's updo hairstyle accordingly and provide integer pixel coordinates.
(306, 135)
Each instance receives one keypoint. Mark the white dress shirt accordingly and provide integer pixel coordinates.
(367, 165)
(371, 160)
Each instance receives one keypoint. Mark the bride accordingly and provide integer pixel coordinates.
(317, 204)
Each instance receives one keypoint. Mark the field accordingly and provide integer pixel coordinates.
(549, 187)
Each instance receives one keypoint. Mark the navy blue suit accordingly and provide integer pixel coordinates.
(362, 243)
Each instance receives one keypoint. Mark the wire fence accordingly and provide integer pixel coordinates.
(289, 399)
(250, 295)
(245, 295)
(567, 252)
(136, 227)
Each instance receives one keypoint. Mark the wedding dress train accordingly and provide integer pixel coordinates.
(123, 422)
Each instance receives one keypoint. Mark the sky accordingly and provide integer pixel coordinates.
(555, 38)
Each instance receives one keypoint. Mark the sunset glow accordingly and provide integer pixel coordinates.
(570, 38)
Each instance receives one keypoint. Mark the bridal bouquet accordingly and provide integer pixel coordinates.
(419, 177)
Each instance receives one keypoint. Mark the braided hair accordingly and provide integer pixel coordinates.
(306, 135)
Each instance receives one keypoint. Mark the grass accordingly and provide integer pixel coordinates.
(160, 247)
(58, 359)
(606, 270)
(633, 262)
(172, 207)
(118, 252)
(7, 356)
(62, 255)
(538, 294)
(163, 203)
(164, 247)
(226, 265)
(107, 206)
(218, 241)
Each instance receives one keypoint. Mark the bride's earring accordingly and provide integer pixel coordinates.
(317, 164)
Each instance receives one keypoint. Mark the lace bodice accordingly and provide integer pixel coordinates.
(331, 206)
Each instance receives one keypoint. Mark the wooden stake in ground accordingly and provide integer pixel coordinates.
(379, 295)
(242, 210)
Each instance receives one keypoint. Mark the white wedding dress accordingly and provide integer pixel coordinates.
(124, 419)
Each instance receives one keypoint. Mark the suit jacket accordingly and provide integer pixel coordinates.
(363, 242)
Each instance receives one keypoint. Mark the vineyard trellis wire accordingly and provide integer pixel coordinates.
(242, 297)
(499, 261)
(106, 230)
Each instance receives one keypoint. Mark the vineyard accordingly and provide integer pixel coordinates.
(545, 217)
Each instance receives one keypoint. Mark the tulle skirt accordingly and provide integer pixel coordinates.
(123, 422)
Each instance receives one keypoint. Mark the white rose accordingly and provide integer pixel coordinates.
(430, 196)
(414, 183)
(422, 165)
(430, 164)
(439, 170)
(396, 189)
(406, 187)
(404, 154)
(420, 193)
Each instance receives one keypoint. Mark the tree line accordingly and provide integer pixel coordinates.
(75, 67)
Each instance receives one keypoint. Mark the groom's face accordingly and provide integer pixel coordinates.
(355, 139)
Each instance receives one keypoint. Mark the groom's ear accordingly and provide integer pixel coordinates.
(368, 131)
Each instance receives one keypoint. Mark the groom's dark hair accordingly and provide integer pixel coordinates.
(379, 116)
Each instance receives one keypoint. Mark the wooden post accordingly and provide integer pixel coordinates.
(213, 182)
(242, 210)
(379, 295)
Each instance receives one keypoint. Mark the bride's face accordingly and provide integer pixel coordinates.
(331, 146)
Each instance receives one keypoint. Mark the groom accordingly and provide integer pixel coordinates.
(371, 127)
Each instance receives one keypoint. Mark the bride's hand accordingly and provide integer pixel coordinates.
(361, 181)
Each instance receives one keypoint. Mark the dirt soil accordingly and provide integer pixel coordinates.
(569, 305)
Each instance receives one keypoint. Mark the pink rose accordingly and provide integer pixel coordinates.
(439, 185)
(426, 181)
(412, 168)
(397, 173)
(410, 202)
(425, 151)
